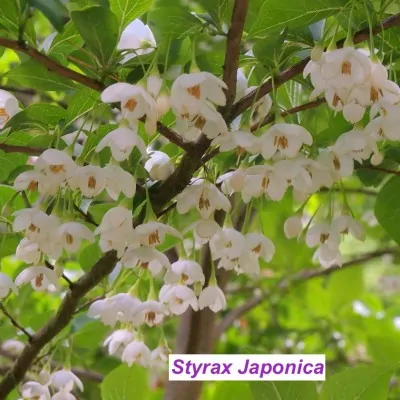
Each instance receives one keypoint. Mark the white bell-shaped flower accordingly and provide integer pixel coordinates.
(13, 346)
(184, 271)
(293, 226)
(71, 235)
(205, 229)
(136, 102)
(227, 243)
(145, 257)
(150, 312)
(242, 141)
(346, 224)
(8, 107)
(91, 180)
(261, 108)
(323, 233)
(260, 246)
(32, 180)
(112, 309)
(178, 298)
(153, 233)
(213, 298)
(138, 37)
(41, 278)
(159, 166)
(121, 142)
(286, 139)
(232, 182)
(137, 352)
(35, 391)
(119, 181)
(203, 196)
(63, 394)
(190, 91)
(56, 165)
(63, 378)
(6, 285)
(117, 341)
(264, 179)
(28, 251)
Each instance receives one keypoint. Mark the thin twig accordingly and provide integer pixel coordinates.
(296, 279)
(66, 279)
(288, 74)
(15, 322)
(57, 323)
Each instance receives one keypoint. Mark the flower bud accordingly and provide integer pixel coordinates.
(163, 104)
(376, 159)
(316, 53)
(293, 227)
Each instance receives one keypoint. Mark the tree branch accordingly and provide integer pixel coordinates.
(32, 151)
(271, 118)
(232, 53)
(59, 69)
(15, 322)
(81, 373)
(63, 317)
(296, 69)
(296, 279)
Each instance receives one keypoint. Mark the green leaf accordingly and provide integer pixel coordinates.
(44, 114)
(89, 255)
(8, 162)
(283, 390)
(79, 5)
(361, 383)
(218, 9)
(232, 391)
(33, 75)
(66, 42)
(179, 24)
(128, 10)
(345, 286)
(80, 103)
(274, 15)
(54, 10)
(90, 335)
(99, 29)
(387, 208)
(125, 383)
(8, 243)
(11, 12)
(385, 348)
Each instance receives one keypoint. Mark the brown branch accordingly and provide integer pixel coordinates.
(232, 52)
(50, 64)
(267, 120)
(296, 279)
(59, 69)
(10, 148)
(15, 322)
(246, 102)
(380, 169)
(80, 372)
(56, 324)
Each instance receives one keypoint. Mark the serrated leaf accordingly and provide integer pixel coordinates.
(387, 208)
(179, 24)
(128, 10)
(80, 103)
(361, 383)
(99, 28)
(54, 10)
(66, 42)
(33, 75)
(274, 15)
(46, 114)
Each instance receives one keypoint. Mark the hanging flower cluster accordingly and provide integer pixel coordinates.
(271, 161)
